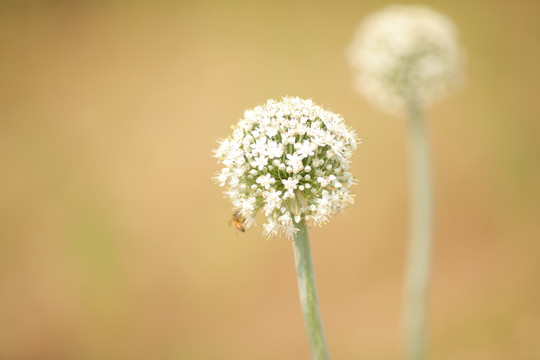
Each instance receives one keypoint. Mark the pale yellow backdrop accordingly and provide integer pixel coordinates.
(114, 241)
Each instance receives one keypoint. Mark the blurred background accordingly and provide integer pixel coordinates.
(114, 241)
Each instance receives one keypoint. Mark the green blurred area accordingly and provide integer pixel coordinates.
(114, 241)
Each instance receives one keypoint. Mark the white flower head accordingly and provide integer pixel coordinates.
(289, 159)
(403, 53)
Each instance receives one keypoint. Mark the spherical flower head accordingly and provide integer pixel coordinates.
(406, 53)
(288, 160)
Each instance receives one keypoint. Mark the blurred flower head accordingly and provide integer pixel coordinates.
(290, 160)
(406, 53)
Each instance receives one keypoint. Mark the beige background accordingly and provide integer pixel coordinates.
(114, 241)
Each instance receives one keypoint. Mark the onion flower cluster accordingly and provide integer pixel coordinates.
(289, 160)
(406, 53)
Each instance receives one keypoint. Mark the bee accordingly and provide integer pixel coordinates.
(238, 221)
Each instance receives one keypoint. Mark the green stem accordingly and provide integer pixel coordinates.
(419, 253)
(308, 294)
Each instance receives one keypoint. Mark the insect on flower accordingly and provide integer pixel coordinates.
(237, 221)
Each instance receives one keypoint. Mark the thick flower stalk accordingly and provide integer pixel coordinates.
(405, 58)
(290, 160)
